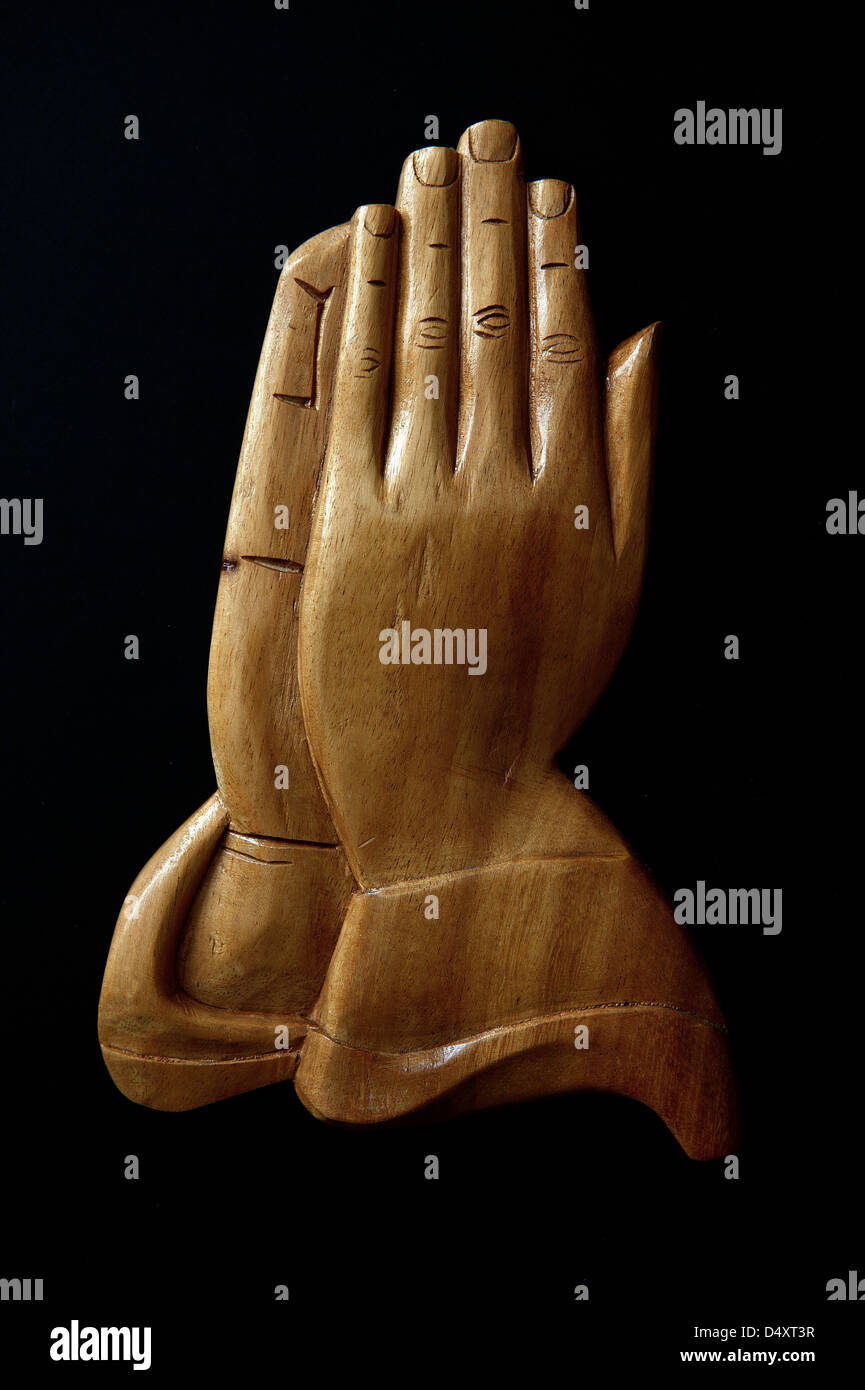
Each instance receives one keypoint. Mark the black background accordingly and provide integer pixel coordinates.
(260, 128)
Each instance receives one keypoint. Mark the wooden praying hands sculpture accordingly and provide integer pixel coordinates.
(394, 897)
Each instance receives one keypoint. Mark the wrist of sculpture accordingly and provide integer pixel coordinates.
(533, 976)
(484, 820)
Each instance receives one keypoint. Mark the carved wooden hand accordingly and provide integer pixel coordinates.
(423, 910)
(469, 489)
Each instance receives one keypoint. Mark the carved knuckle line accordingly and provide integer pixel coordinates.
(368, 362)
(432, 332)
(562, 347)
(492, 321)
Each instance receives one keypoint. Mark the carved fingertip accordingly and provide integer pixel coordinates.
(492, 142)
(634, 352)
(435, 166)
(378, 218)
(550, 197)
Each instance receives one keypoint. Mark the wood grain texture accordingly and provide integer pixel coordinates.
(464, 489)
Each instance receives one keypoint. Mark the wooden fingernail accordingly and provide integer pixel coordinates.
(492, 141)
(549, 197)
(379, 219)
(435, 166)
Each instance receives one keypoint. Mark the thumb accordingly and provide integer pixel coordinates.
(631, 413)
